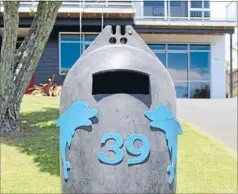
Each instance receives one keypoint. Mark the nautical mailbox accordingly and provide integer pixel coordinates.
(118, 130)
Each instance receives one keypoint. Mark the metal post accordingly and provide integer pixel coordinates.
(231, 68)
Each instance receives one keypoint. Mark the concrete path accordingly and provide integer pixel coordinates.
(217, 117)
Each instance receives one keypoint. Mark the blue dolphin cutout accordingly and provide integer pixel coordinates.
(77, 115)
(164, 119)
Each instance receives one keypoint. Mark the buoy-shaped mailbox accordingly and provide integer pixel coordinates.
(118, 127)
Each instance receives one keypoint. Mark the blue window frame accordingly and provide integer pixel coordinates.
(71, 47)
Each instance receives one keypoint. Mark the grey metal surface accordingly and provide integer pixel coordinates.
(217, 117)
(120, 113)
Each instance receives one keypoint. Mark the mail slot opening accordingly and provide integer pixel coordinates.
(120, 81)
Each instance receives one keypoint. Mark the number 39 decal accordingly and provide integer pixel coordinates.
(142, 152)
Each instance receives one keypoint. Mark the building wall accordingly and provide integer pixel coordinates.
(49, 63)
(218, 9)
(232, 13)
(218, 78)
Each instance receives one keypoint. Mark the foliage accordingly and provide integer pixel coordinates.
(202, 92)
(30, 159)
(48, 89)
(236, 93)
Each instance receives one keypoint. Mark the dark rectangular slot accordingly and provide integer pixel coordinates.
(121, 81)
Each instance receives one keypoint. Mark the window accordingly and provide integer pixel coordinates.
(199, 65)
(207, 14)
(199, 47)
(200, 9)
(71, 47)
(178, 8)
(196, 14)
(196, 4)
(157, 46)
(178, 66)
(70, 52)
(162, 57)
(181, 89)
(189, 67)
(200, 71)
(177, 47)
(154, 8)
(159, 50)
(207, 4)
(199, 90)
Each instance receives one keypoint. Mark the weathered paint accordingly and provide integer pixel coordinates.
(142, 152)
(77, 115)
(164, 119)
(116, 148)
(121, 113)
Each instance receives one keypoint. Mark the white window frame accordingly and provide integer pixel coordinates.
(83, 42)
(202, 9)
(167, 11)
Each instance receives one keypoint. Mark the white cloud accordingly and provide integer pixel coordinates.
(182, 74)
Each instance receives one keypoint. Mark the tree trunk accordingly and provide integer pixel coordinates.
(7, 87)
(18, 66)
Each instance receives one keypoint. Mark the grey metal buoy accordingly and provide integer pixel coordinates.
(106, 95)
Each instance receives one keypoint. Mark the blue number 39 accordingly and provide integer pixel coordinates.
(142, 152)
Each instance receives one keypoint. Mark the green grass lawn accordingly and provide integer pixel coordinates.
(30, 159)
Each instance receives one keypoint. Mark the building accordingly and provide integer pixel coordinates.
(189, 37)
(232, 63)
(234, 83)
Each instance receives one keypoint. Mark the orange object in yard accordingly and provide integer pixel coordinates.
(32, 82)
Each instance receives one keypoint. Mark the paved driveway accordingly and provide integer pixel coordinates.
(217, 117)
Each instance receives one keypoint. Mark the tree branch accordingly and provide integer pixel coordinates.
(31, 49)
(11, 21)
